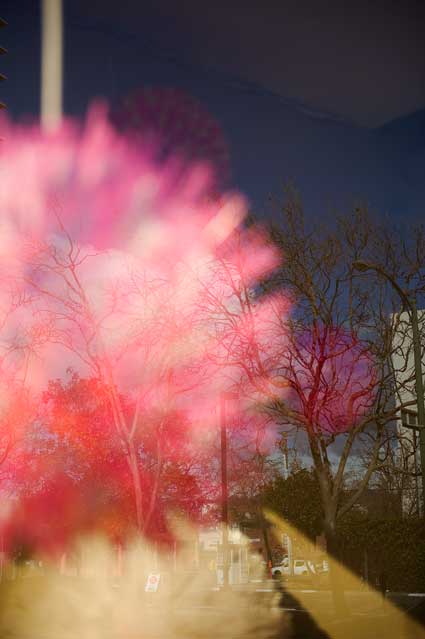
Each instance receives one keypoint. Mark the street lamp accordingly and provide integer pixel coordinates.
(51, 63)
(224, 397)
(409, 303)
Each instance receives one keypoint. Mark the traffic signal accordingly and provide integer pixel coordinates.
(3, 23)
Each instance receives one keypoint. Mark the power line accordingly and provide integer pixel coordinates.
(225, 79)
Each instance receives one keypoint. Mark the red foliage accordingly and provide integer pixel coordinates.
(331, 376)
(119, 255)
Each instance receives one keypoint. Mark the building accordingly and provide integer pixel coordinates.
(211, 554)
(408, 454)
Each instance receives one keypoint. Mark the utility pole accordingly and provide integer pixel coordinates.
(419, 384)
(3, 51)
(51, 63)
(224, 397)
(409, 303)
(224, 492)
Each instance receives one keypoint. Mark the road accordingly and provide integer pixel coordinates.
(116, 610)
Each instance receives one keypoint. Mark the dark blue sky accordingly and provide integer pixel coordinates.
(312, 96)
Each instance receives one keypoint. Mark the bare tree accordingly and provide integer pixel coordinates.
(116, 322)
(321, 360)
(135, 326)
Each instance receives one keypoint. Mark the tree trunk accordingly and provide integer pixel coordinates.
(129, 448)
(268, 549)
(137, 485)
(155, 487)
(335, 574)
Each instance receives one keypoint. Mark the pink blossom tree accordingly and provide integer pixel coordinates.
(117, 255)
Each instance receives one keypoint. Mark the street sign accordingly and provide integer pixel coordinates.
(152, 582)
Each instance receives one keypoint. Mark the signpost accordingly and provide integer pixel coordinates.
(152, 582)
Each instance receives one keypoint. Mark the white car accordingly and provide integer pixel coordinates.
(301, 568)
(281, 569)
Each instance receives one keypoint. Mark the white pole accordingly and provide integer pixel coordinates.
(51, 63)
(240, 564)
(175, 556)
(119, 560)
(287, 541)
